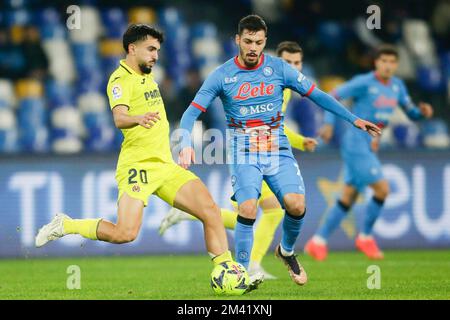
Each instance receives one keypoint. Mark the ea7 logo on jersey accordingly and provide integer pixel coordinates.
(116, 91)
(301, 77)
(230, 80)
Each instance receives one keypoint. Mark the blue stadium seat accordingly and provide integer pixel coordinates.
(100, 132)
(204, 30)
(9, 142)
(8, 131)
(17, 17)
(59, 93)
(332, 35)
(431, 79)
(34, 139)
(406, 135)
(32, 113)
(435, 134)
(170, 17)
(115, 22)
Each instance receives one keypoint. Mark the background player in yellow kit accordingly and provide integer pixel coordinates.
(292, 53)
(145, 165)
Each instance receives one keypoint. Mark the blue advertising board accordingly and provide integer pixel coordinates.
(33, 189)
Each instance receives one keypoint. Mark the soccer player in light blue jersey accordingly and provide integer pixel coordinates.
(251, 86)
(375, 95)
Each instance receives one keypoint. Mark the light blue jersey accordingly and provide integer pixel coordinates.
(374, 100)
(252, 100)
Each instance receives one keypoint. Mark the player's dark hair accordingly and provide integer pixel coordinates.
(252, 23)
(288, 46)
(386, 49)
(140, 32)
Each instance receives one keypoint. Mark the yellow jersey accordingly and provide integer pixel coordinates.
(140, 93)
(295, 139)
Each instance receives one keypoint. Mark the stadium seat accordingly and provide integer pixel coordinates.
(406, 135)
(8, 131)
(431, 79)
(32, 113)
(60, 58)
(100, 133)
(332, 35)
(417, 36)
(90, 27)
(116, 22)
(67, 118)
(59, 93)
(17, 17)
(142, 15)
(7, 95)
(29, 88)
(34, 139)
(435, 134)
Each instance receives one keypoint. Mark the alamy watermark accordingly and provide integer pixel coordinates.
(74, 279)
(73, 22)
(374, 280)
(374, 20)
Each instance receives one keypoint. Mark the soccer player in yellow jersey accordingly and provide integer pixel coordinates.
(145, 165)
(292, 53)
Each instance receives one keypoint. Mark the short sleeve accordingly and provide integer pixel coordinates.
(119, 92)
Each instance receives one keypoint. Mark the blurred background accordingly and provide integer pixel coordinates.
(58, 143)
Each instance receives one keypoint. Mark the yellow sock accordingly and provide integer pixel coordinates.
(84, 227)
(229, 218)
(264, 233)
(226, 256)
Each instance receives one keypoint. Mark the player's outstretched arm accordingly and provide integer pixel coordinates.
(187, 154)
(123, 120)
(329, 103)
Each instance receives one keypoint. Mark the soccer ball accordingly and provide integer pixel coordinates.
(229, 278)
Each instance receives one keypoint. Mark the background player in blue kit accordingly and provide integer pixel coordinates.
(251, 89)
(375, 96)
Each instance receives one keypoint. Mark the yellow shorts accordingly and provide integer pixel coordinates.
(265, 194)
(142, 179)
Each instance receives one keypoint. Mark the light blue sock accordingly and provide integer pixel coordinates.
(333, 220)
(243, 240)
(291, 229)
(373, 211)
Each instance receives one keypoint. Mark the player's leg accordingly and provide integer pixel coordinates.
(272, 214)
(193, 197)
(365, 241)
(185, 191)
(175, 216)
(317, 247)
(129, 221)
(126, 230)
(286, 182)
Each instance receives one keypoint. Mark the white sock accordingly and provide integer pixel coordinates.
(286, 253)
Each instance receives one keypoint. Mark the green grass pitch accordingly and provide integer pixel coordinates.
(404, 275)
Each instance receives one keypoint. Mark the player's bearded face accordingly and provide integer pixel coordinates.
(386, 65)
(147, 54)
(251, 45)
